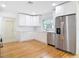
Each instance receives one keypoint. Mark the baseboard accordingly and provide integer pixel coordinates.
(26, 40)
(10, 42)
(40, 41)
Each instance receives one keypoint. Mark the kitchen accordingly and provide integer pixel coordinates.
(56, 28)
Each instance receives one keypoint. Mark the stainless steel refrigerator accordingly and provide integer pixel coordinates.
(66, 33)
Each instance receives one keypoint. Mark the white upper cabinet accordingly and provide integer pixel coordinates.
(67, 8)
(35, 21)
(27, 20)
(22, 20)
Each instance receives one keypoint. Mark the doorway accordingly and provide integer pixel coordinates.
(8, 30)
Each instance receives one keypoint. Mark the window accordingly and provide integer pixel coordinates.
(48, 25)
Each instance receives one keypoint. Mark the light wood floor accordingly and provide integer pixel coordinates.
(31, 49)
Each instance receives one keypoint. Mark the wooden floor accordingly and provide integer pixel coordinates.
(32, 49)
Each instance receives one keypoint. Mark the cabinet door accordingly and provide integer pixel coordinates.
(28, 20)
(35, 21)
(49, 38)
(22, 20)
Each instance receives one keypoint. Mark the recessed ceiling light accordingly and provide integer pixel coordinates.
(3, 5)
(54, 4)
(30, 2)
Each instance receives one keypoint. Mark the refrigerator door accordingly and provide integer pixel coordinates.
(60, 33)
(59, 41)
(71, 33)
(57, 25)
(62, 39)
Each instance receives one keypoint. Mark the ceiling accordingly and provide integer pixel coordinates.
(37, 7)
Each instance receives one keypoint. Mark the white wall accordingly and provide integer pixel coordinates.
(47, 15)
(67, 8)
(8, 14)
(25, 36)
(1, 18)
(54, 34)
(77, 28)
